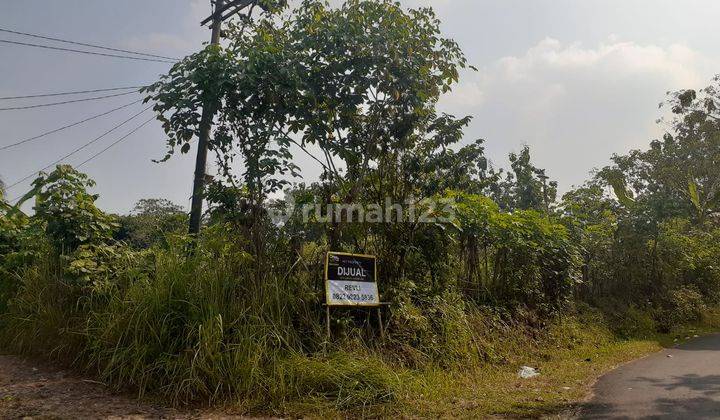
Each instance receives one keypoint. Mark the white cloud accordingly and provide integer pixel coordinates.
(556, 66)
(574, 105)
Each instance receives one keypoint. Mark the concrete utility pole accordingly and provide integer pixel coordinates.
(205, 125)
(208, 113)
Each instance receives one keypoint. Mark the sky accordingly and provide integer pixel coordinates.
(576, 80)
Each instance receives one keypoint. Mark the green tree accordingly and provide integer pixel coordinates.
(525, 186)
(359, 83)
(67, 212)
(591, 216)
(150, 221)
(677, 176)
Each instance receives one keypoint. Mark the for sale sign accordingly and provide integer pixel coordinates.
(351, 280)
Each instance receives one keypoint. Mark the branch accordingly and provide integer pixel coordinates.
(291, 140)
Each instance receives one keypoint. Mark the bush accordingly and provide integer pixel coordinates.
(516, 259)
(347, 379)
(192, 328)
(67, 211)
(185, 328)
(683, 306)
(633, 322)
(437, 331)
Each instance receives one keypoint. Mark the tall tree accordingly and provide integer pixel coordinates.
(678, 175)
(359, 83)
(525, 186)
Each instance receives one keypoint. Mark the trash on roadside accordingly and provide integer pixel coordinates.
(669, 355)
(526, 372)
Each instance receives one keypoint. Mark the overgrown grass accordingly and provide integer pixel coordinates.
(571, 353)
(203, 329)
(194, 329)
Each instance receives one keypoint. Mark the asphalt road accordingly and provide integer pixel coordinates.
(678, 383)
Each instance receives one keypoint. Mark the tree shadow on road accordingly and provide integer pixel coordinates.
(708, 385)
(692, 406)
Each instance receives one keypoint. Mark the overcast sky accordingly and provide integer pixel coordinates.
(577, 80)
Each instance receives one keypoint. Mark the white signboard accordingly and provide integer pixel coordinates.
(351, 280)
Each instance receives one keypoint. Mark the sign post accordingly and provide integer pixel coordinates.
(351, 281)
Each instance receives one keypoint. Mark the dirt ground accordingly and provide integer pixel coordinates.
(33, 390)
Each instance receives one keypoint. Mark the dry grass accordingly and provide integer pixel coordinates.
(570, 355)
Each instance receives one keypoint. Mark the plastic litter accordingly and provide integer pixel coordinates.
(526, 372)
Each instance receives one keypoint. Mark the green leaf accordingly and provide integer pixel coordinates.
(693, 193)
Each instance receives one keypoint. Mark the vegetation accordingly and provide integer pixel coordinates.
(150, 222)
(502, 273)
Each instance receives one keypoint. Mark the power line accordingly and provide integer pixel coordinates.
(43, 95)
(47, 133)
(15, 108)
(14, 184)
(87, 45)
(86, 52)
(14, 200)
(115, 142)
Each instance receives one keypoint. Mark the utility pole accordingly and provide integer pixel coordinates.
(208, 113)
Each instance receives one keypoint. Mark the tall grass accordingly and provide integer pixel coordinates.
(202, 328)
(207, 328)
(197, 328)
(44, 317)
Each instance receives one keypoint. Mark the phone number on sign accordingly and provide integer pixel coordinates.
(354, 297)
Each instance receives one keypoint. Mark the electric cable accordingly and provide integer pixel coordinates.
(95, 98)
(47, 133)
(115, 142)
(27, 44)
(77, 92)
(96, 139)
(86, 44)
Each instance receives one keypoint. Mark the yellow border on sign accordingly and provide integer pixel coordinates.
(327, 289)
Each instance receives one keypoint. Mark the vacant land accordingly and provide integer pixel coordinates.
(32, 389)
(568, 369)
(38, 390)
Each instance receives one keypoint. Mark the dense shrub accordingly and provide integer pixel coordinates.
(150, 222)
(186, 328)
(67, 212)
(520, 258)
